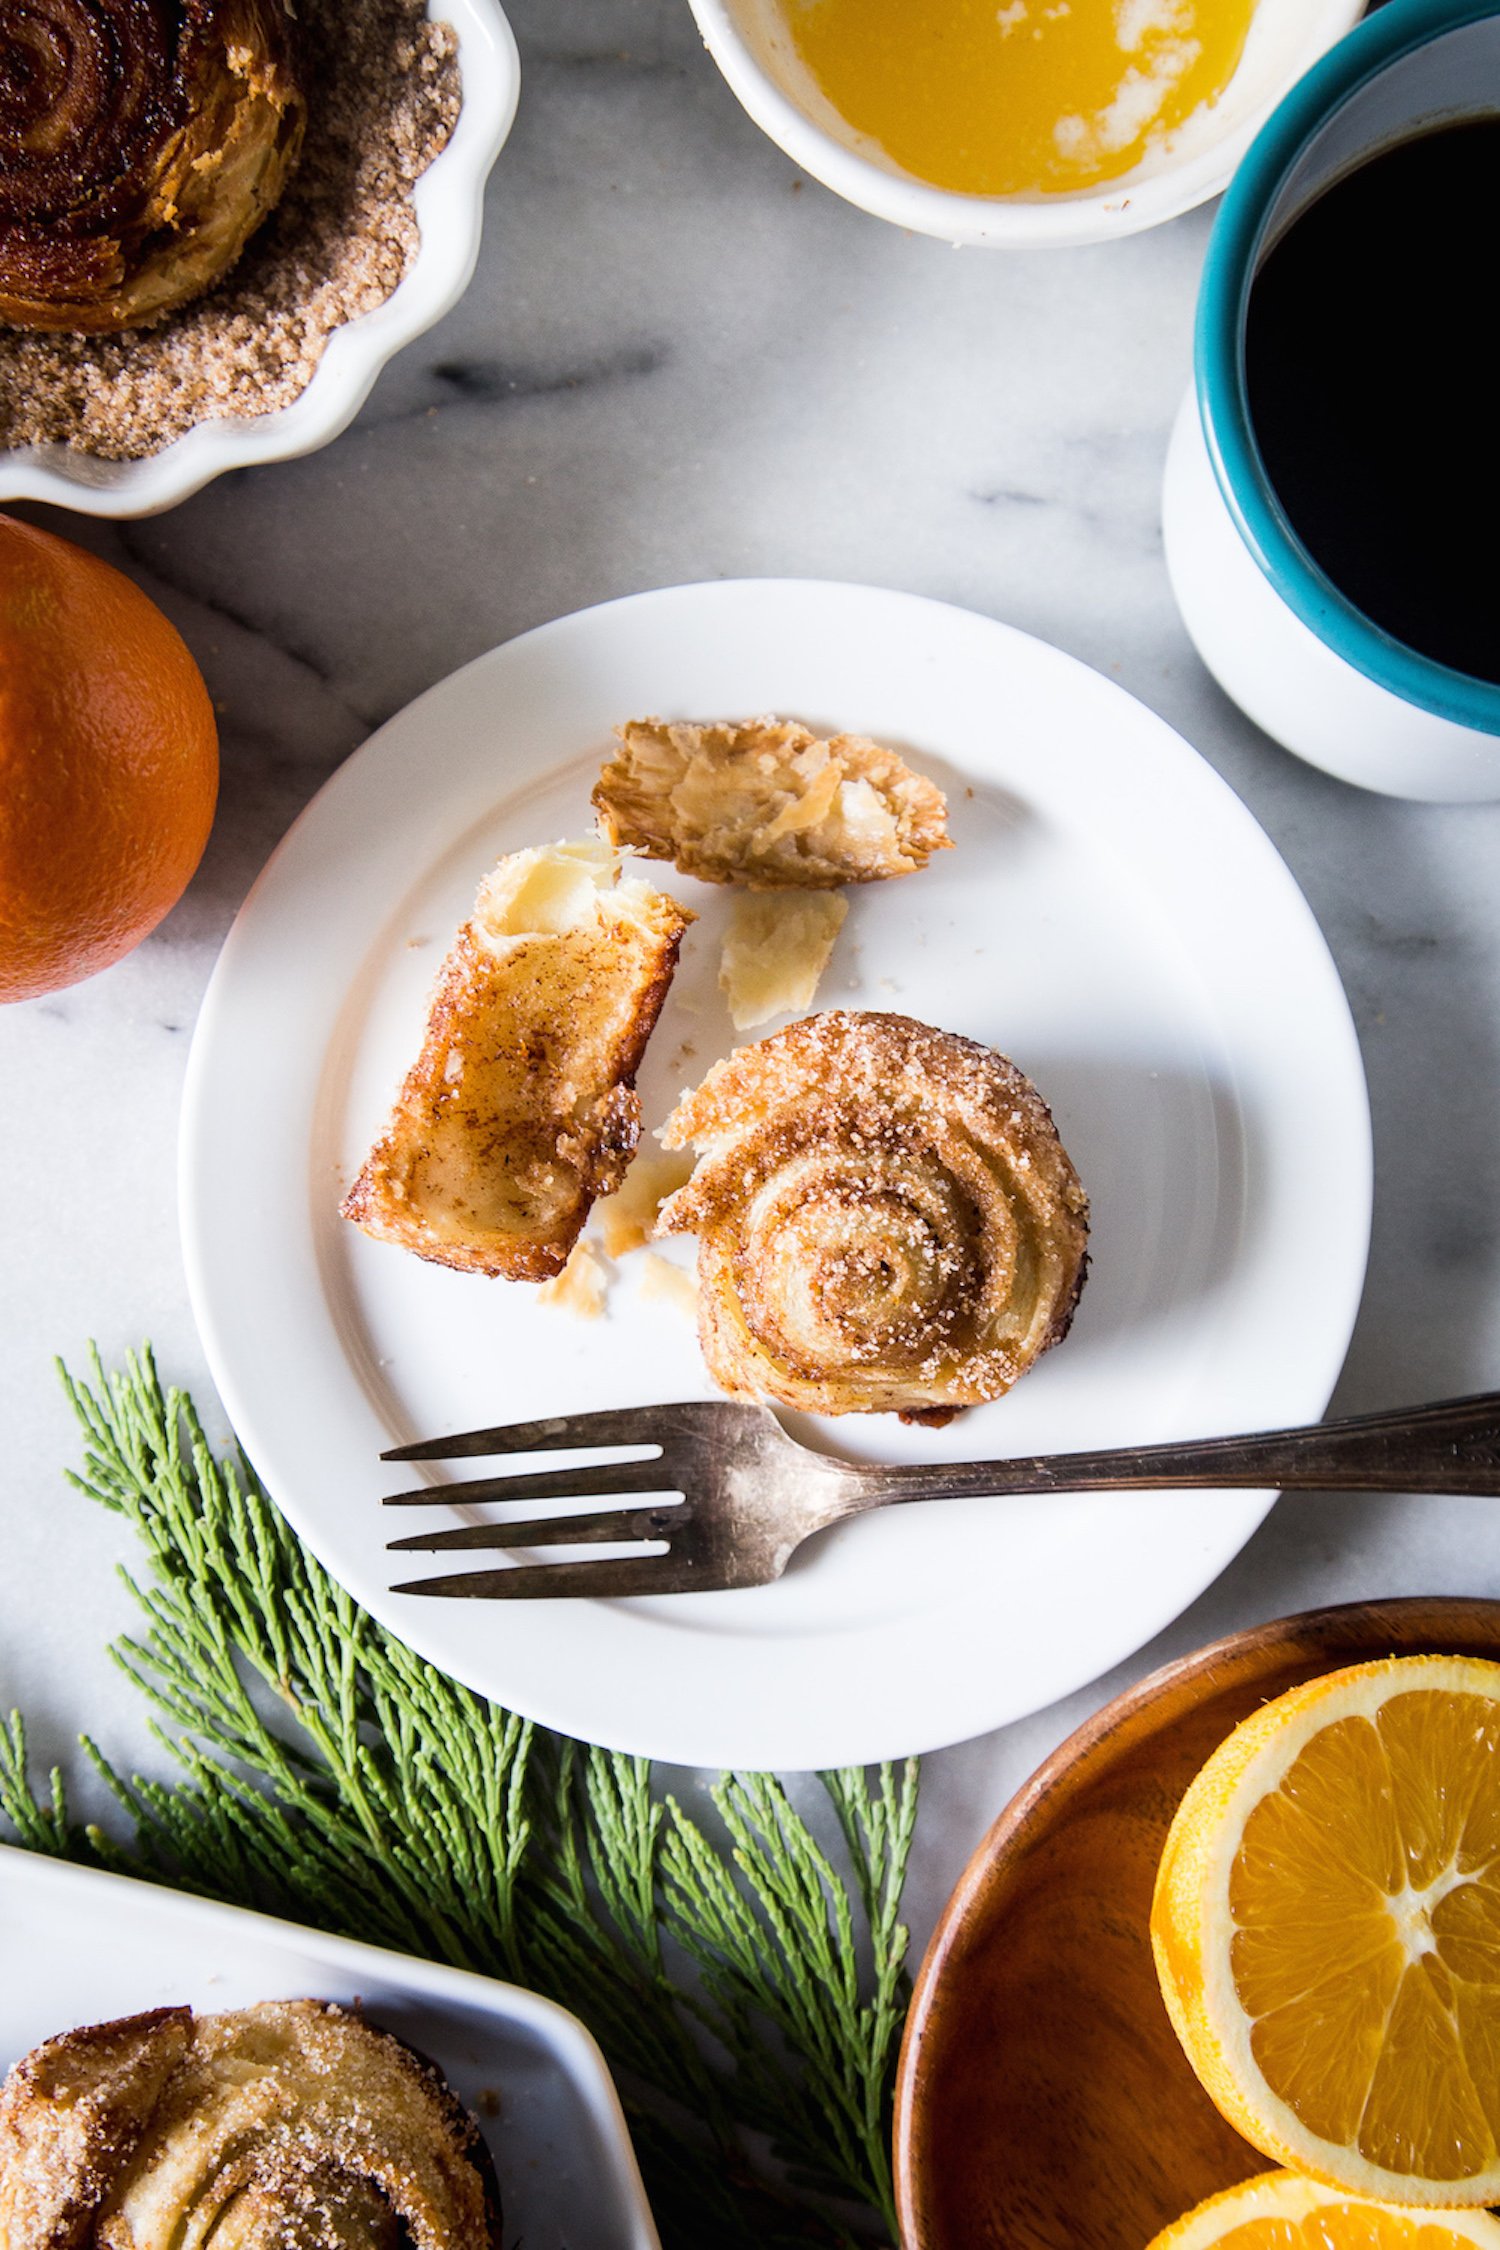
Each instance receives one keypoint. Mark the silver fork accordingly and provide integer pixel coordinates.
(750, 1495)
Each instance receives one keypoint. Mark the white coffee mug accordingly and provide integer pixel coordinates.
(1282, 640)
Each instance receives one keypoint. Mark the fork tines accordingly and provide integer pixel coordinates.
(624, 1425)
(593, 1581)
(619, 1525)
(541, 1484)
(645, 1572)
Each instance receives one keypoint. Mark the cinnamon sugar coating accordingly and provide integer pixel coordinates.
(72, 2112)
(886, 1219)
(293, 2125)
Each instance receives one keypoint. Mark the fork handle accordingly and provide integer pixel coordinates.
(1451, 1447)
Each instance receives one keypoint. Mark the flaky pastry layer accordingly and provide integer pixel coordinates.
(775, 950)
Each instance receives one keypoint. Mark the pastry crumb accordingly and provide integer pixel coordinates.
(627, 1219)
(674, 1285)
(582, 1287)
(775, 950)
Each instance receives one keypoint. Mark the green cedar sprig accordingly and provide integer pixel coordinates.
(748, 1993)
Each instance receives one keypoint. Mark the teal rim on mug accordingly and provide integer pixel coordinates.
(1399, 29)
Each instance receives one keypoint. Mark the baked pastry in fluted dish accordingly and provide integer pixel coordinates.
(293, 2125)
(768, 803)
(142, 142)
(521, 1107)
(886, 1219)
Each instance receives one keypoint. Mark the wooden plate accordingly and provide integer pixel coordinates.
(1043, 2102)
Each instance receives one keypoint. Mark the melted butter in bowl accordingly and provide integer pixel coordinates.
(1016, 97)
(1018, 122)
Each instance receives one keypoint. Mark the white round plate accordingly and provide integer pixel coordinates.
(1111, 917)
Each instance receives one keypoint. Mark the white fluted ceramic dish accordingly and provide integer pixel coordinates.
(1111, 917)
(449, 203)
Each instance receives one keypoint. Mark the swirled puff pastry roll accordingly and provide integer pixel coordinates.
(886, 1219)
(767, 803)
(521, 1107)
(288, 2126)
(140, 148)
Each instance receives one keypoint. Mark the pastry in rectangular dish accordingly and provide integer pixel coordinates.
(521, 1107)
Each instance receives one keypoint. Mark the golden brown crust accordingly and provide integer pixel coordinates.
(887, 1219)
(521, 1107)
(767, 803)
(289, 2126)
(140, 148)
(71, 2114)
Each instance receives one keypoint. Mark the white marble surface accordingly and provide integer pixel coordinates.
(679, 360)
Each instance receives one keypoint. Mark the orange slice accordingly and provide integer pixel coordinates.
(1327, 1930)
(1281, 2211)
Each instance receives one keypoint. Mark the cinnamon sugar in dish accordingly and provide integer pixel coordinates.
(383, 97)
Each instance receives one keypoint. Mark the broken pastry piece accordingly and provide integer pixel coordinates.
(521, 1107)
(664, 1283)
(767, 803)
(775, 950)
(886, 1219)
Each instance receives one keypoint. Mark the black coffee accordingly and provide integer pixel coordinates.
(1374, 387)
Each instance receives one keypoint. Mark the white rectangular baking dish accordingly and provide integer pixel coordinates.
(80, 1947)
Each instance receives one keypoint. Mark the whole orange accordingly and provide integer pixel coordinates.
(109, 763)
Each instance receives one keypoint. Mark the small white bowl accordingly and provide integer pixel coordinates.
(749, 41)
(449, 203)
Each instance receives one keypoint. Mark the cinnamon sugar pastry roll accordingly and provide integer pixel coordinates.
(142, 142)
(288, 2126)
(887, 1219)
